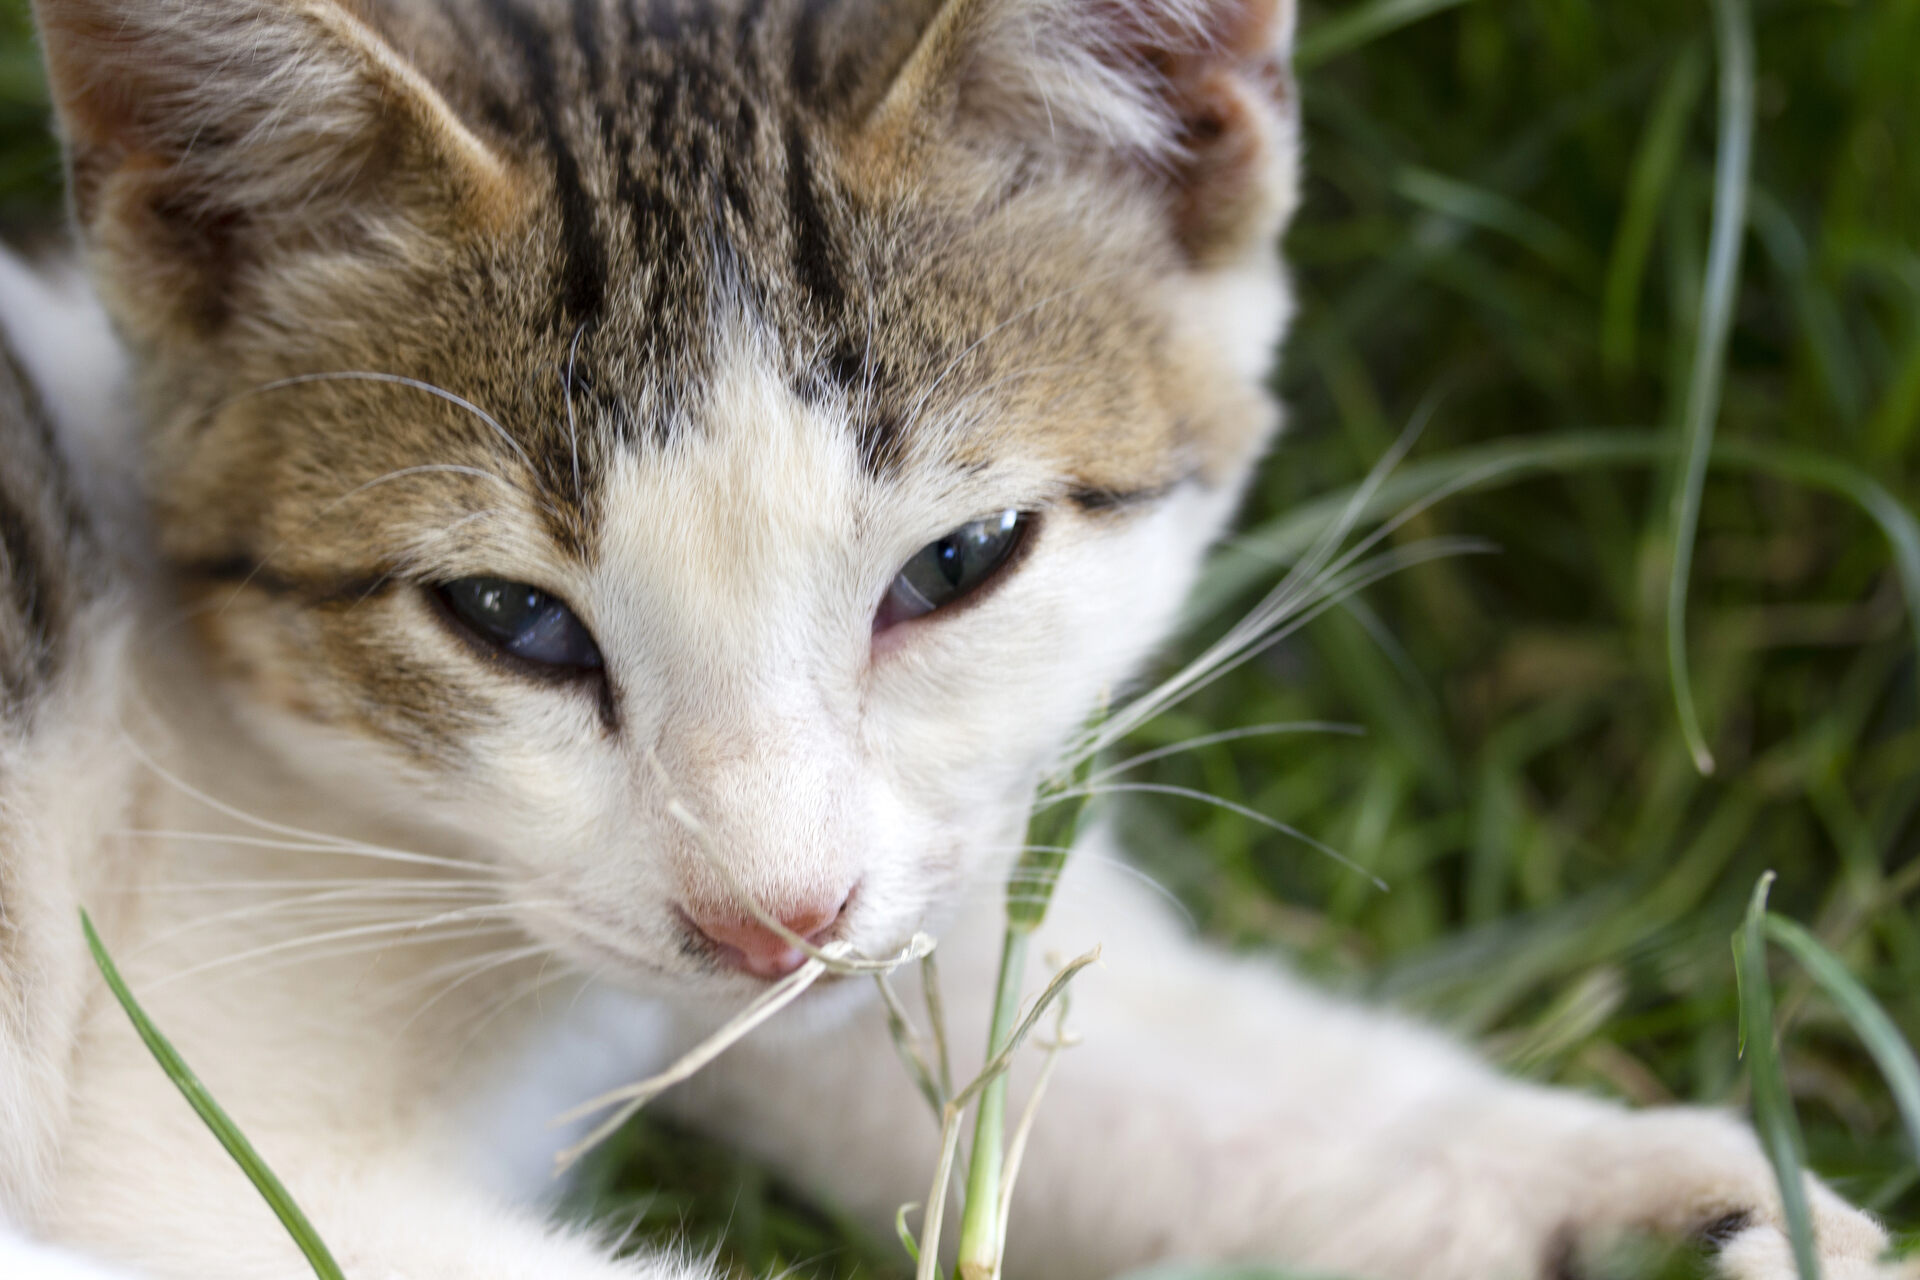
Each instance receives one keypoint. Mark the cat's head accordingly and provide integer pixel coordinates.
(574, 418)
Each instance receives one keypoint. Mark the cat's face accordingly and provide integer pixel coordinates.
(688, 449)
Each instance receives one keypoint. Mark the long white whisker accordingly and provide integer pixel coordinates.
(366, 900)
(219, 806)
(391, 933)
(1053, 879)
(1337, 592)
(1227, 735)
(1301, 583)
(320, 844)
(488, 965)
(448, 887)
(344, 903)
(540, 981)
(433, 468)
(1252, 815)
(415, 384)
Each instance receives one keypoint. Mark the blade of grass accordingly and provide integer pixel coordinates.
(1870, 1022)
(1773, 1115)
(1361, 25)
(981, 1230)
(1732, 174)
(1251, 559)
(1489, 210)
(214, 1117)
(1647, 192)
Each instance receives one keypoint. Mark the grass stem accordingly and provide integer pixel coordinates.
(981, 1232)
(1732, 174)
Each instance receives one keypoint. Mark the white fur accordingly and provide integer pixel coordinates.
(391, 976)
(27, 1261)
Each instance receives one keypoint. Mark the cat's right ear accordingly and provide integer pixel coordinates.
(202, 135)
(1193, 98)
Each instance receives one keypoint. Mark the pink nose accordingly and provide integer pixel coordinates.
(747, 944)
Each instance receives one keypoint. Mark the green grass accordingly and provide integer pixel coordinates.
(1510, 207)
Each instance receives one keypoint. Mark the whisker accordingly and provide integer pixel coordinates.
(540, 982)
(403, 932)
(321, 844)
(1228, 735)
(415, 384)
(1295, 591)
(1054, 877)
(403, 473)
(487, 965)
(339, 903)
(913, 414)
(1251, 814)
(450, 887)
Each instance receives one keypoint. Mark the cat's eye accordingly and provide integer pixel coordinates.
(523, 622)
(960, 564)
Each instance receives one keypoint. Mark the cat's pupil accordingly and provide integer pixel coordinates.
(953, 560)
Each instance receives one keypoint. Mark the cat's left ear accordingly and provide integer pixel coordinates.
(205, 135)
(1194, 97)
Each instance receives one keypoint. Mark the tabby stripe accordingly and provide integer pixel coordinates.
(246, 574)
(814, 257)
(41, 528)
(584, 259)
(803, 71)
(733, 176)
(663, 20)
(588, 41)
(752, 14)
(28, 635)
(1097, 500)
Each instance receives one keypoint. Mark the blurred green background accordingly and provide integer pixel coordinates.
(1507, 215)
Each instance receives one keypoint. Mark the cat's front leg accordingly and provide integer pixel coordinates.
(1217, 1110)
(146, 1189)
(396, 1223)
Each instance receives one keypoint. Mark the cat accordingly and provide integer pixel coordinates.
(548, 420)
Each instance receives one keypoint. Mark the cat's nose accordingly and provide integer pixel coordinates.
(747, 944)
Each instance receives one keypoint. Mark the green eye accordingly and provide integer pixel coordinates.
(948, 571)
(522, 621)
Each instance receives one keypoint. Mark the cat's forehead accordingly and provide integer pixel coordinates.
(668, 141)
(692, 201)
(694, 215)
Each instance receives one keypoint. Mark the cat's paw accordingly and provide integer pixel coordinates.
(1852, 1246)
(1764, 1253)
(1701, 1173)
(1754, 1245)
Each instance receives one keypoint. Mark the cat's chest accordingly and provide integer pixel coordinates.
(502, 1115)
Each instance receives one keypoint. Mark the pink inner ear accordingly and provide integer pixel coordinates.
(1203, 55)
(1220, 65)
